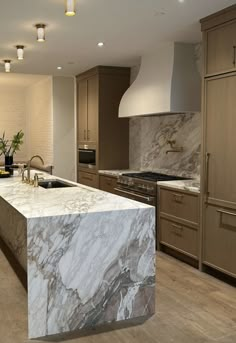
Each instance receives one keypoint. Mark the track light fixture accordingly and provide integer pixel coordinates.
(40, 32)
(20, 52)
(7, 65)
(70, 8)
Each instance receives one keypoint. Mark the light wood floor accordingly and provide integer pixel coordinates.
(192, 307)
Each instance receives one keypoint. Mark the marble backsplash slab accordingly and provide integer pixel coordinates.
(149, 142)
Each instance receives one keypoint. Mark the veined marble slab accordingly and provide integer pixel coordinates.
(90, 255)
(187, 185)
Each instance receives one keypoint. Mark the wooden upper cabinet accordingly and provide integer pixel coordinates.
(221, 49)
(220, 109)
(93, 106)
(83, 109)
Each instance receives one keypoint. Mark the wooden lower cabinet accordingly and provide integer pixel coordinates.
(108, 183)
(219, 239)
(179, 222)
(180, 204)
(88, 179)
(179, 237)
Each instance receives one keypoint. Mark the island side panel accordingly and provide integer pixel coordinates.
(90, 269)
(13, 231)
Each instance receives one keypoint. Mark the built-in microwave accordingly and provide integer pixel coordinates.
(87, 156)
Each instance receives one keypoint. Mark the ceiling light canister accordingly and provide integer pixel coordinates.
(40, 32)
(20, 52)
(7, 66)
(70, 8)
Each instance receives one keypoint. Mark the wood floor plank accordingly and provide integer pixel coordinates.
(192, 307)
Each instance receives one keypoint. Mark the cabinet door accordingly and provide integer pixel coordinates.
(88, 179)
(221, 140)
(107, 184)
(221, 42)
(82, 111)
(219, 241)
(93, 109)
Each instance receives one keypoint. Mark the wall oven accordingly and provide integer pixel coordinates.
(87, 156)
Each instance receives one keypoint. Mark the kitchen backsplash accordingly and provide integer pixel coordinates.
(149, 138)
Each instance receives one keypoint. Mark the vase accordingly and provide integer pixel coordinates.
(8, 163)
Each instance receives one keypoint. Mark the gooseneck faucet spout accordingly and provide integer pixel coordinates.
(29, 165)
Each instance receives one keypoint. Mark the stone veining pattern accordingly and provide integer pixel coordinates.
(149, 143)
(90, 257)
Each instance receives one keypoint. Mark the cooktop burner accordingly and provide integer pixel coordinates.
(150, 176)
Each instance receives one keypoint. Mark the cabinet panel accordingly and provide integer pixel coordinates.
(220, 48)
(92, 109)
(107, 184)
(82, 110)
(219, 241)
(179, 204)
(180, 237)
(88, 179)
(221, 138)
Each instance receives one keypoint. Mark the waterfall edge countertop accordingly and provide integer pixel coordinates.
(89, 255)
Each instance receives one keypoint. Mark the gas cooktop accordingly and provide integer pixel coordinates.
(150, 176)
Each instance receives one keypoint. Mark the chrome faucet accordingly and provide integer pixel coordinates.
(29, 165)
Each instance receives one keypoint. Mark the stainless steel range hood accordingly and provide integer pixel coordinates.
(168, 82)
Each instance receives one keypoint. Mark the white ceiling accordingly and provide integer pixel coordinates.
(128, 28)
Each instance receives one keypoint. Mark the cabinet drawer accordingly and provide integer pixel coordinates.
(219, 243)
(180, 205)
(88, 179)
(107, 184)
(179, 237)
(220, 52)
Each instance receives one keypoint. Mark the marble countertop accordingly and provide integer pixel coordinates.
(36, 202)
(189, 185)
(116, 172)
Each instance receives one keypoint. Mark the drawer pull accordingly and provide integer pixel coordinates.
(87, 178)
(177, 197)
(177, 230)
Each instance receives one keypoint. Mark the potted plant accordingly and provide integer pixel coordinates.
(9, 147)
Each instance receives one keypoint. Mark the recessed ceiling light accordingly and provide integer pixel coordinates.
(181, 1)
(100, 44)
(59, 68)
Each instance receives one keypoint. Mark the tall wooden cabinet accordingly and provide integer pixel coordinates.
(219, 142)
(99, 93)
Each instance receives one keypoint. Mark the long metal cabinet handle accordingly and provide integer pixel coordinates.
(207, 173)
(134, 195)
(226, 212)
(85, 135)
(234, 60)
(88, 135)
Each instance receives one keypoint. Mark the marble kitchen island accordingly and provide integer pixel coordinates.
(89, 255)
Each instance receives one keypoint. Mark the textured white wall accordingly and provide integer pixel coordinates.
(40, 120)
(63, 123)
(13, 116)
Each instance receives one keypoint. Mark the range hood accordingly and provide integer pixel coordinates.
(168, 82)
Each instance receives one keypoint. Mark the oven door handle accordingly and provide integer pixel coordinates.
(149, 199)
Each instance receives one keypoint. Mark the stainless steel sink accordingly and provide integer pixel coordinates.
(48, 184)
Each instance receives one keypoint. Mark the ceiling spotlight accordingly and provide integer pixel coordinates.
(100, 44)
(40, 32)
(7, 66)
(181, 1)
(20, 52)
(59, 68)
(70, 8)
